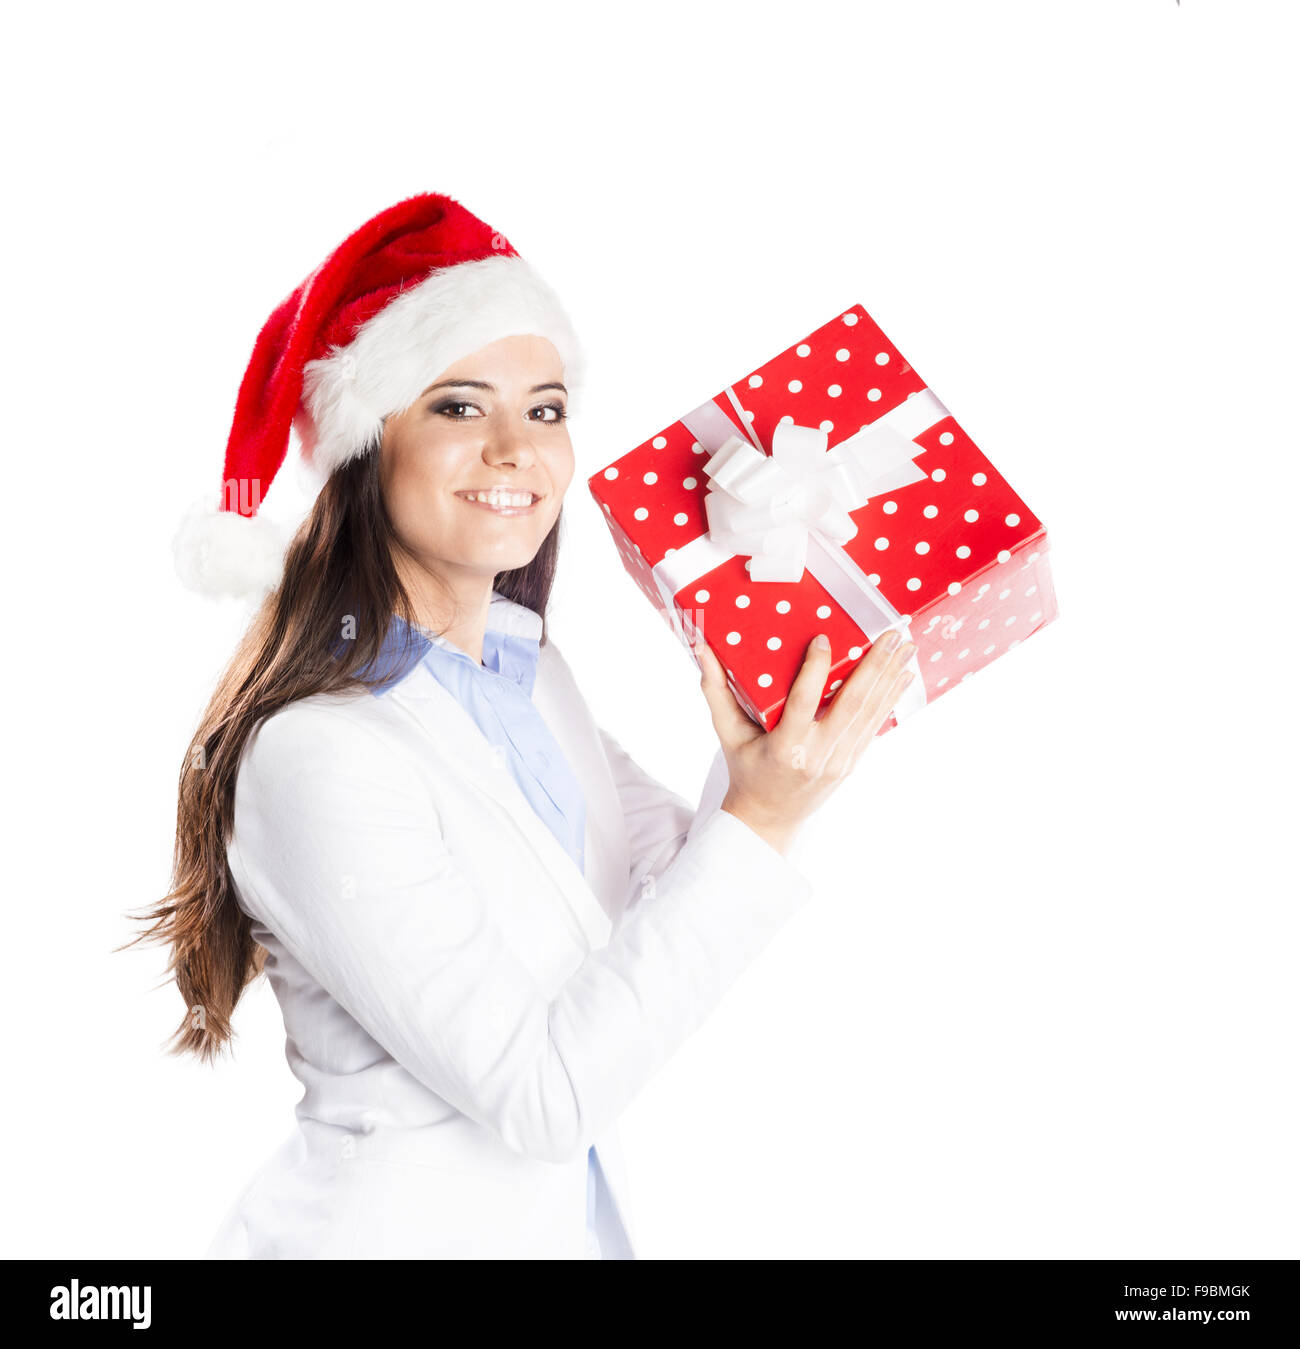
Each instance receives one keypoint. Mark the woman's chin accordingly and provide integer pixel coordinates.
(494, 561)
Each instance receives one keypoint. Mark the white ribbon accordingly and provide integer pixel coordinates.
(789, 510)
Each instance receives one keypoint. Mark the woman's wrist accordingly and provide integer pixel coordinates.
(777, 833)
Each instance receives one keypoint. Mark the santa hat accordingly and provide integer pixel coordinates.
(411, 292)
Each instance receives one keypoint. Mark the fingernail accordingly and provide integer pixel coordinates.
(822, 642)
(890, 640)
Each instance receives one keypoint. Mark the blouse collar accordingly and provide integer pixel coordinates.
(511, 645)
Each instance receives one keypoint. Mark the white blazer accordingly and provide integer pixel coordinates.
(466, 1011)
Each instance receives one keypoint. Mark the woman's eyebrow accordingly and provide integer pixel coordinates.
(483, 384)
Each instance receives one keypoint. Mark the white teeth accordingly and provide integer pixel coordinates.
(498, 498)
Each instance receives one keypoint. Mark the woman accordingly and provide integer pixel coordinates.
(486, 927)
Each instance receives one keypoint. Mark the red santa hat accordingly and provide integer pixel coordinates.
(421, 285)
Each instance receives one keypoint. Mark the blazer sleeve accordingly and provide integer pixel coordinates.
(337, 849)
(658, 820)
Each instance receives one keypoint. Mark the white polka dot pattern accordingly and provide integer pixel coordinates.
(929, 546)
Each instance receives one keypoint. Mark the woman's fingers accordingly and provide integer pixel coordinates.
(806, 692)
(881, 714)
(863, 695)
(730, 720)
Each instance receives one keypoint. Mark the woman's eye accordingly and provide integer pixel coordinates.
(454, 409)
(458, 410)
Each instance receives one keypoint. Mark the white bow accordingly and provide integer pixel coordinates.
(767, 506)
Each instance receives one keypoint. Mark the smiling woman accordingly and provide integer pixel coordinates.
(486, 926)
(474, 473)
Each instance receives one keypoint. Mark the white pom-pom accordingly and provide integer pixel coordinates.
(224, 553)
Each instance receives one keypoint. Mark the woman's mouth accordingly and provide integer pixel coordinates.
(502, 501)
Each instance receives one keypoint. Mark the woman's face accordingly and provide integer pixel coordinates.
(494, 420)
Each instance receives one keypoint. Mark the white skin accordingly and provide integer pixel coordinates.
(508, 429)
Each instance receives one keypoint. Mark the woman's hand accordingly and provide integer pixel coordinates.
(779, 777)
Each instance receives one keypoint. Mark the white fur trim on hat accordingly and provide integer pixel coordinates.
(220, 552)
(400, 351)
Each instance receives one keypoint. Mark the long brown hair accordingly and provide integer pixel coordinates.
(339, 566)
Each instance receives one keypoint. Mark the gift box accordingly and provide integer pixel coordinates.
(829, 491)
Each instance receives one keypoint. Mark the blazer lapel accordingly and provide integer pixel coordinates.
(470, 759)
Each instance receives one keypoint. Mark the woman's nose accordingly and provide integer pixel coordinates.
(510, 444)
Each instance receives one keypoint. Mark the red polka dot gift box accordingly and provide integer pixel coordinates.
(829, 491)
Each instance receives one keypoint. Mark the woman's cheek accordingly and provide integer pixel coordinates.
(563, 470)
(421, 510)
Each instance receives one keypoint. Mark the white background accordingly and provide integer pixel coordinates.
(1043, 1004)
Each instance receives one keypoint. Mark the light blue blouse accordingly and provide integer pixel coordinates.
(498, 696)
